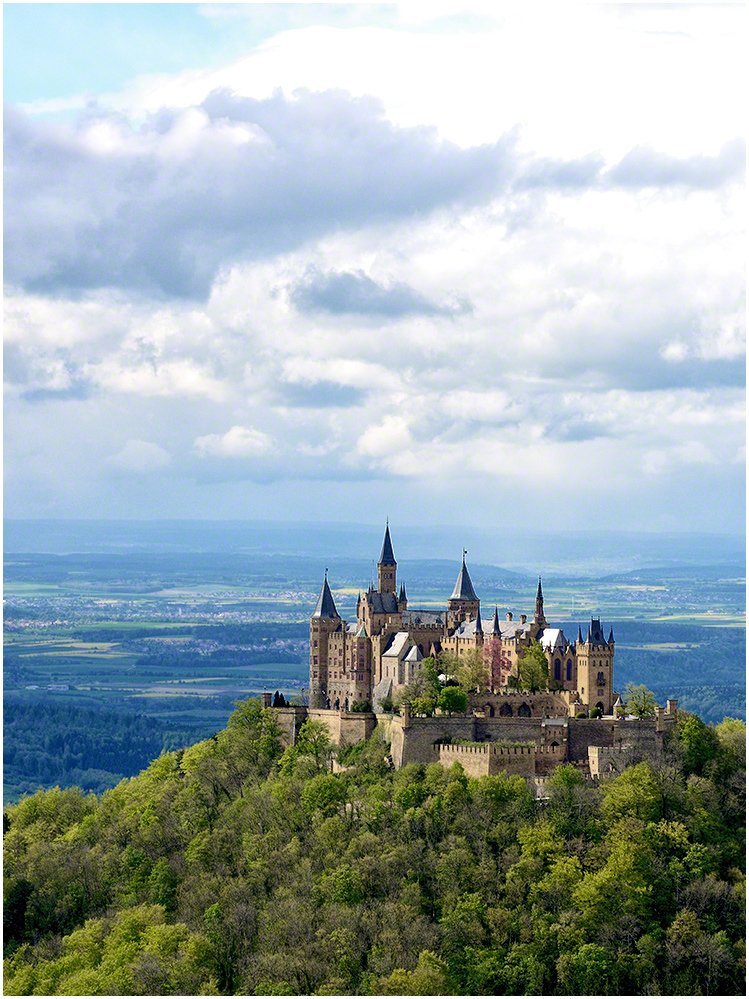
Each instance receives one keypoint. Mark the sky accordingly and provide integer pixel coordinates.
(470, 263)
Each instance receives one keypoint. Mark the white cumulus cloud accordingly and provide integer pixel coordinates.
(239, 442)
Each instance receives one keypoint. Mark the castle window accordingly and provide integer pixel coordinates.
(557, 670)
(569, 669)
(314, 660)
(601, 679)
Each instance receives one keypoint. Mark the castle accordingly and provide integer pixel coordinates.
(372, 659)
(358, 669)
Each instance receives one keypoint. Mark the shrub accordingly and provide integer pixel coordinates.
(361, 706)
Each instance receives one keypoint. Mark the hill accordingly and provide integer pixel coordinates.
(235, 866)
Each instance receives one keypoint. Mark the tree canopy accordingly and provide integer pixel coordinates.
(239, 867)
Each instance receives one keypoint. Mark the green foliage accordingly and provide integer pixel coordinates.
(231, 869)
(533, 668)
(639, 700)
(361, 706)
(472, 672)
(452, 700)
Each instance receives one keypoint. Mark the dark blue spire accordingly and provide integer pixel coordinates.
(464, 587)
(496, 630)
(325, 606)
(386, 555)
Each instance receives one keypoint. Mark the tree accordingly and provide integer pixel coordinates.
(314, 740)
(472, 672)
(534, 668)
(495, 665)
(452, 699)
(640, 701)
(426, 686)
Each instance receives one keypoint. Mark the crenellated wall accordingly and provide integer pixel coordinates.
(490, 759)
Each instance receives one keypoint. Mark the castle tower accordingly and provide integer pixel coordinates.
(402, 600)
(387, 565)
(463, 604)
(595, 668)
(324, 622)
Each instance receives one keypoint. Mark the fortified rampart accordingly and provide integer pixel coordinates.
(490, 759)
(596, 745)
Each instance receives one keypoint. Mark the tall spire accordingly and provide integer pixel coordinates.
(496, 630)
(325, 606)
(479, 628)
(538, 617)
(386, 555)
(464, 587)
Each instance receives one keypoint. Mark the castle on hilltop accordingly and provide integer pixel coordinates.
(375, 657)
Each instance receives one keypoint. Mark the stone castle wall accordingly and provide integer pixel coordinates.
(480, 761)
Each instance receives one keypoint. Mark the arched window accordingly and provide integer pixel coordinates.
(601, 679)
(524, 711)
(569, 669)
(557, 670)
(505, 711)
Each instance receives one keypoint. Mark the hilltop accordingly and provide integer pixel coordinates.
(238, 866)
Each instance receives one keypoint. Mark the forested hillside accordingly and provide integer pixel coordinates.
(48, 745)
(234, 867)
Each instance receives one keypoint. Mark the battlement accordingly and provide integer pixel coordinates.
(490, 759)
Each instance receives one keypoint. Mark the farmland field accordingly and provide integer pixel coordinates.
(177, 637)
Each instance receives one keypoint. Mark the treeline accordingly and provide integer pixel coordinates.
(234, 867)
(711, 703)
(227, 634)
(47, 745)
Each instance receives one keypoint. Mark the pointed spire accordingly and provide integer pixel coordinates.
(611, 635)
(386, 555)
(496, 630)
(464, 587)
(538, 616)
(580, 634)
(479, 629)
(402, 594)
(325, 604)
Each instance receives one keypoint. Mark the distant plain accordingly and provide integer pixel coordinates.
(156, 624)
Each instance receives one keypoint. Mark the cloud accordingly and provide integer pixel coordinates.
(140, 457)
(239, 442)
(354, 292)
(161, 208)
(644, 167)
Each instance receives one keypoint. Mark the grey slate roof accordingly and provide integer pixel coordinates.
(382, 603)
(415, 617)
(325, 606)
(463, 587)
(386, 555)
(595, 633)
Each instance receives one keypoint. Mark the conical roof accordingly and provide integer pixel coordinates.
(479, 630)
(402, 594)
(495, 623)
(386, 555)
(464, 587)
(611, 635)
(325, 606)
